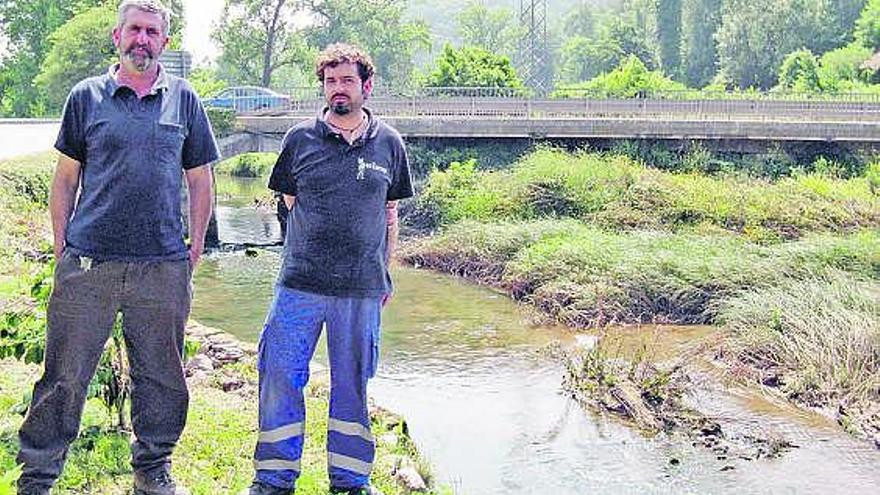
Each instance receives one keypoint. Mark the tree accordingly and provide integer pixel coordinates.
(81, 47)
(867, 30)
(492, 29)
(582, 59)
(699, 57)
(631, 78)
(472, 66)
(755, 35)
(28, 25)
(839, 21)
(669, 35)
(799, 72)
(378, 27)
(839, 68)
(580, 21)
(257, 37)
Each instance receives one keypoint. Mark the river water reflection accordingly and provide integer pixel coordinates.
(464, 366)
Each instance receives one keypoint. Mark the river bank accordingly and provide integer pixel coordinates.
(215, 452)
(595, 239)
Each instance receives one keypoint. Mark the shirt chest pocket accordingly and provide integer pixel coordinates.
(168, 143)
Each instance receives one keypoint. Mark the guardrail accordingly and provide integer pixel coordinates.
(487, 107)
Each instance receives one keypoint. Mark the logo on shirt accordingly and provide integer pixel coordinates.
(363, 166)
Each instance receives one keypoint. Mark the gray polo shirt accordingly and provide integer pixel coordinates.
(133, 152)
(336, 233)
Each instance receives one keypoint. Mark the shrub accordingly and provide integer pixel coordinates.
(222, 120)
(873, 176)
(250, 165)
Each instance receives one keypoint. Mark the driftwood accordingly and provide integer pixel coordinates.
(630, 398)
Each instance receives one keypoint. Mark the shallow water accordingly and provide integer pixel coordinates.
(464, 365)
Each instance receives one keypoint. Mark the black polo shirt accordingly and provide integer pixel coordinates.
(336, 233)
(132, 151)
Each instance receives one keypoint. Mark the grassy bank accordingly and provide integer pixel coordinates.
(788, 269)
(584, 276)
(247, 165)
(215, 452)
(25, 236)
(615, 192)
(816, 340)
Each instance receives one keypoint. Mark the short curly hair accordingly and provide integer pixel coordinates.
(342, 53)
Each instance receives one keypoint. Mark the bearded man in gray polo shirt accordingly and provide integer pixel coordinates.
(342, 174)
(127, 138)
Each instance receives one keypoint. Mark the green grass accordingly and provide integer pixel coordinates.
(584, 276)
(615, 192)
(214, 454)
(819, 338)
(247, 165)
(24, 226)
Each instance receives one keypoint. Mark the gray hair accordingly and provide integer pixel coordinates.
(152, 6)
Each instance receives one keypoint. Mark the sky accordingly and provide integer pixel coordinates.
(200, 17)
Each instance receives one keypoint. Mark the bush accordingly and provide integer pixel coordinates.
(222, 120)
(250, 165)
(873, 176)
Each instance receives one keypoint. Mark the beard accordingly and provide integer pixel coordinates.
(140, 60)
(341, 108)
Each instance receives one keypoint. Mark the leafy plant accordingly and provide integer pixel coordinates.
(7, 481)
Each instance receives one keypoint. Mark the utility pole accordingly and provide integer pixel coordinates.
(534, 55)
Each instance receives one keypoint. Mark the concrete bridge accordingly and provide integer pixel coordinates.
(488, 117)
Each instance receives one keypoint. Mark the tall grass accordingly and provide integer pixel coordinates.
(819, 336)
(584, 276)
(24, 226)
(616, 192)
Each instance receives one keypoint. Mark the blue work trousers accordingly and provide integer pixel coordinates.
(286, 346)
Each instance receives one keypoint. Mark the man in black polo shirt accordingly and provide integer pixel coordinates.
(127, 138)
(342, 174)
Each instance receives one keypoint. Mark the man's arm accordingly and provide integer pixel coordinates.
(289, 201)
(391, 232)
(392, 229)
(201, 199)
(62, 197)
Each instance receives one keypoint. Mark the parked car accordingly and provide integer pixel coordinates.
(248, 99)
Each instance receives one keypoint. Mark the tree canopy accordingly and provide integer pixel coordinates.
(472, 66)
(81, 47)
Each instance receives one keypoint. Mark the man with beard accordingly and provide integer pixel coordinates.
(127, 138)
(341, 174)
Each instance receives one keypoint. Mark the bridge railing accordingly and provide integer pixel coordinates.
(505, 103)
(309, 92)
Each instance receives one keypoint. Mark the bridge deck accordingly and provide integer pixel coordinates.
(486, 117)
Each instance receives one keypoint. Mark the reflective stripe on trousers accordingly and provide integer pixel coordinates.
(286, 346)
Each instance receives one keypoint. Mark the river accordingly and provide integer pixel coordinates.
(484, 404)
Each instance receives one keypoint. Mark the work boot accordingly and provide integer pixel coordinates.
(260, 488)
(360, 490)
(160, 483)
